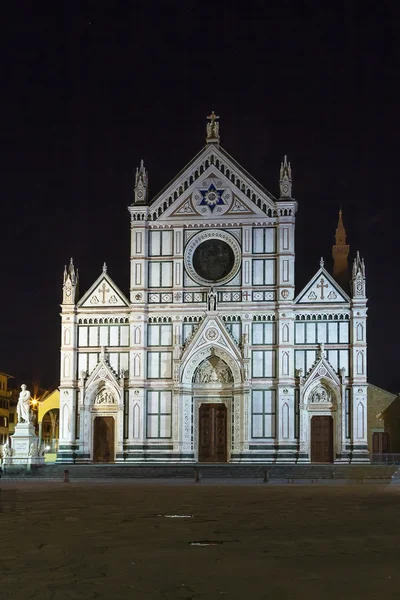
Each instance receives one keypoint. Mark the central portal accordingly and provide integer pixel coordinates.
(212, 433)
(103, 439)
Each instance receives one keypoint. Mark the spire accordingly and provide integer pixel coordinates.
(358, 277)
(212, 129)
(340, 253)
(105, 268)
(141, 185)
(70, 284)
(285, 179)
(321, 262)
(340, 231)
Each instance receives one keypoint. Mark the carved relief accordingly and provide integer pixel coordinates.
(320, 396)
(105, 397)
(213, 370)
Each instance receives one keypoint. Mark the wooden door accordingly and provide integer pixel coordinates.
(103, 439)
(322, 439)
(380, 442)
(212, 433)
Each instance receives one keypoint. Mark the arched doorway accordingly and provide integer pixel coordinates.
(104, 439)
(213, 380)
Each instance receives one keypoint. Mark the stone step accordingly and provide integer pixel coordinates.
(208, 471)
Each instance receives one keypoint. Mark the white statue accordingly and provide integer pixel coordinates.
(7, 451)
(212, 300)
(33, 450)
(23, 406)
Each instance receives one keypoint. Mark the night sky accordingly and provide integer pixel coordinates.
(91, 88)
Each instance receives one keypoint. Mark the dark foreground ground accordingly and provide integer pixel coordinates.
(111, 540)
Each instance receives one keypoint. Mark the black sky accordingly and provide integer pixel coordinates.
(90, 88)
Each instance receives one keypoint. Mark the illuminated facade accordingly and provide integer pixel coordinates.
(214, 357)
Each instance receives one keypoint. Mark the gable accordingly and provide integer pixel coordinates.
(211, 331)
(213, 197)
(103, 294)
(322, 289)
(321, 369)
(212, 185)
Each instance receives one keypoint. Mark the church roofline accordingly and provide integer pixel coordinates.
(181, 172)
(382, 390)
(209, 149)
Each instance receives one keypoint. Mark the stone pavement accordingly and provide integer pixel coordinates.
(113, 540)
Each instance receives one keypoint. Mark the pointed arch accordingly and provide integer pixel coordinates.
(360, 363)
(136, 421)
(360, 420)
(325, 383)
(65, 422)
(67, 366)
(136, 366)
(194, 360)
(137, 335)
(285, 421)
(285, 363)
(360, 332)
(285, 333)
(67, 337)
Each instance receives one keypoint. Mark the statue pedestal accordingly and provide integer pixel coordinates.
(25, 450)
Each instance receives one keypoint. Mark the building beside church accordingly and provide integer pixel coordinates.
(214, 356)
(5, 396)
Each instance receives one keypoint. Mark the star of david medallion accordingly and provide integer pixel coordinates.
(212, 197)
(212, 333)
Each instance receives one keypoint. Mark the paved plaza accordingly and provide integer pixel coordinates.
(113, 540)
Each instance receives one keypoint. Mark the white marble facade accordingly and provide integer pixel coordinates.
(213, 317)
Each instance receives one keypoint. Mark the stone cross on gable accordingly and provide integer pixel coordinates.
(213, 127)
(104, 290)
(322, 285)
(213, 117)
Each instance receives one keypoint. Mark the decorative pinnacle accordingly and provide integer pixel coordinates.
(141, 184)
(105, 268)
(285, 179)
(141, 173)
(321, 262)
(212, 128)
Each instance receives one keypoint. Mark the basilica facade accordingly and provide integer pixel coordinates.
(215, 356)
